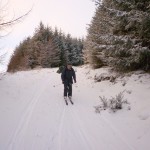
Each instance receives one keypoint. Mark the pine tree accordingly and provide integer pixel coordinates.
(119, 35)
(47, 48)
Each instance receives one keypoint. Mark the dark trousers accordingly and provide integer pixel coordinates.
(67, 89)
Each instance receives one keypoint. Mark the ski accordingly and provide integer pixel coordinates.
(66, 102)
(71, 101)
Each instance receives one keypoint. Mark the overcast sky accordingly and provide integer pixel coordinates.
(72, 16)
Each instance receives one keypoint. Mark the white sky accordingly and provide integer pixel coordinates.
(72, 16)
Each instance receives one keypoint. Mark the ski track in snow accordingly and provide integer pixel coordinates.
(119, 135)
(82, 130)
(107, 125)
(70, 119)
(61, 128)
(72, 127)
(23, 125)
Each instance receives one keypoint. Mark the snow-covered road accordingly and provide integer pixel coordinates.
(33, 116)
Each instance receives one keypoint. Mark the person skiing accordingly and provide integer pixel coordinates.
(67, 76)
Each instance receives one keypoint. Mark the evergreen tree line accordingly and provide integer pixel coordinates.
(119, 35)
(47, 48)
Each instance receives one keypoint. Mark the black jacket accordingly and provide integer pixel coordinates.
(67, 75)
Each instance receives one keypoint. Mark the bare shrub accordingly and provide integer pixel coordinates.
(104, 102)
(114, 103)
(117, 102)
(105, 77)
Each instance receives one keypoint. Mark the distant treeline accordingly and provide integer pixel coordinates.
(47, 48)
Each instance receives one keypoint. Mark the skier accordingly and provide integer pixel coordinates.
(67, 76)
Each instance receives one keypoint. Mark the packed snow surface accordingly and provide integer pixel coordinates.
(33, 114)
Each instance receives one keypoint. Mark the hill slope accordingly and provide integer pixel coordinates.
(33, 115)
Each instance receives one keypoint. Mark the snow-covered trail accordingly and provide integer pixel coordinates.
(33, 115)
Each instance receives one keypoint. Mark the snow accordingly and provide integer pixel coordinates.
(117, 12)
(3, 68)
(33, 114)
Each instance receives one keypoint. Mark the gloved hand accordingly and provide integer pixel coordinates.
(62, 82)
(75, 81)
